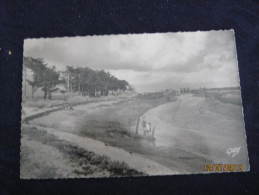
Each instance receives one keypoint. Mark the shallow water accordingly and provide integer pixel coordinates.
(200, 127)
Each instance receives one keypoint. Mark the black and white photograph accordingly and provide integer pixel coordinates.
(132, 105)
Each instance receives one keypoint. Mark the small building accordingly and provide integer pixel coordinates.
(27, 76)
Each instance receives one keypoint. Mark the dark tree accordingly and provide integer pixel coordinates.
(43, 77)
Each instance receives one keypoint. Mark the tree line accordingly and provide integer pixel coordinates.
(87, 81)
(83, 80)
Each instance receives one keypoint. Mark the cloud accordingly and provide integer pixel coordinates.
(138, 51)
(149, 61)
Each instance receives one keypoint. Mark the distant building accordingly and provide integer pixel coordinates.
(27, 76)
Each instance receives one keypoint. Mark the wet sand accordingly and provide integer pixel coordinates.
(200, 126)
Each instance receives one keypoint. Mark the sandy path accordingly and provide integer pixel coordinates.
(135, 161)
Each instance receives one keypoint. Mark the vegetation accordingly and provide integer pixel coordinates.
(86, 163)
(83, 80)
(43, 77)
(94, 82)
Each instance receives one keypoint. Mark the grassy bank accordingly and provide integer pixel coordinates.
(83, 163)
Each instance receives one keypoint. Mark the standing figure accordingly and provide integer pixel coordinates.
(147, 128)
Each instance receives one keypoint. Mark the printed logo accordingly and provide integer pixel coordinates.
(233, 151)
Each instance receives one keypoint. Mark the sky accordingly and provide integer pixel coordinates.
(149, 62)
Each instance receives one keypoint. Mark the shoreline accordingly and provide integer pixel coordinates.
(132, 160)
